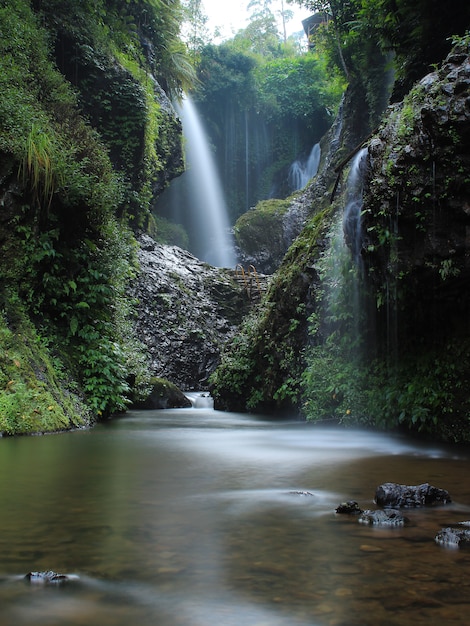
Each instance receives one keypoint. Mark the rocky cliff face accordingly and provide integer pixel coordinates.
(186, 312)
(417, 208)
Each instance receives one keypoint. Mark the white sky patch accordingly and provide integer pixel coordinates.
(229, 16)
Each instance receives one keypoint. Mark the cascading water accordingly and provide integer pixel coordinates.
(208, 217)
(353, 208)
(341, 267)
(301, 171)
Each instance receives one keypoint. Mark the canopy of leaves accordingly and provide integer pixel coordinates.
(67, 259)
(416, 32)
(261, 112)
(297, 88)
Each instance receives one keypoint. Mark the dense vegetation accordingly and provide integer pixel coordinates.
(84, 143)
(262, 112)
(386, 343)
(88, 141)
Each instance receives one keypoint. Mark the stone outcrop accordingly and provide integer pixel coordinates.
(392, 495)
(49, 578)
(452, 537)
(389, 517)
(117, 105)
(186, 311)
(164, 395)
(350, 507)
(416, 220)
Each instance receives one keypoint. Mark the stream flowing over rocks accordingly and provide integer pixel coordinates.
(186, 311)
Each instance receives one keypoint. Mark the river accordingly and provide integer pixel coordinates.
(195, 517)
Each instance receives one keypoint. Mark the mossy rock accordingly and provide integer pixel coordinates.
(259, 233)
(164, 395)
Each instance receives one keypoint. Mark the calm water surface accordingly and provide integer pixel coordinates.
(191, 518)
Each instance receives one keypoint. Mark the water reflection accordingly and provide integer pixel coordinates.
(197, 517)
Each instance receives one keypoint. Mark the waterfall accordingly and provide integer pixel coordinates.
(353, 208)
(301, 171)
(207, 211)
(341, 267)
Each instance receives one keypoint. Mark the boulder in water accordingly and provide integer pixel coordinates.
(454, 537)
(48, 578)
(350, 507)
(392, 495)
(164, 395)
(389, 517)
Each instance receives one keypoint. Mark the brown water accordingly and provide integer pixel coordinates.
(187, 518)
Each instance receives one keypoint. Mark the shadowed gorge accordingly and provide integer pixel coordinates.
(234, 300)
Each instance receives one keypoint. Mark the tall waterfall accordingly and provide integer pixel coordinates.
(301, 171)
(207, 212)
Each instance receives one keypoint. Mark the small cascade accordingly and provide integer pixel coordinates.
(200, 400)
(301, 171)
(208, 217)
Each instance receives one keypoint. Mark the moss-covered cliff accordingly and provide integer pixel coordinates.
(87, 137)
(383, 342)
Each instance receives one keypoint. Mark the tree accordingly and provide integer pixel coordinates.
(416, 32)
(286, 16)
(195, 30)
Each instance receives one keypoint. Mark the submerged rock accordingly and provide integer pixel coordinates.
(391, 495)
(389, 517)
(350, 507)
(48, 578)
(454, 537)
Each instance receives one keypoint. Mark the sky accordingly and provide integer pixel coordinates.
(231, 15)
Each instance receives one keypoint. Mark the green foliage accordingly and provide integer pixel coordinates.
(297, 88)
(424, 394)
(80, 292)
(261, 113)
(361, 30)
(35, 396)
(234, 375)
(37, 167)
(65, 256)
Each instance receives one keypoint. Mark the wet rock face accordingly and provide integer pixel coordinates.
(389, 517)
(392, 495)
(186, 312)
(454, 537)
(350, 507)
(49, 578)
(416, 221)
(116, 106)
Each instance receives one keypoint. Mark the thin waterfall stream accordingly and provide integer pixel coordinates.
(302, 170)
(210, 224)
(341, 266)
